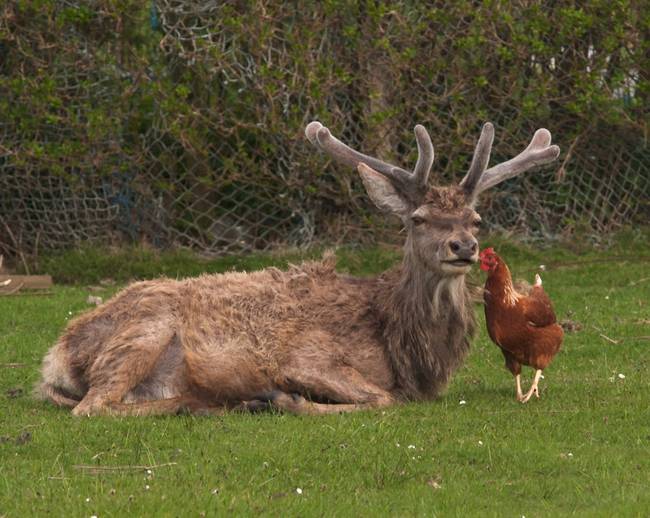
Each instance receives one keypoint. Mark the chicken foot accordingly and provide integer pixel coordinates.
(533, 388)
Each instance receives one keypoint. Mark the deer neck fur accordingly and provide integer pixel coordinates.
(428, 322)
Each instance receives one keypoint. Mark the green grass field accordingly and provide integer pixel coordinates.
(582, 449)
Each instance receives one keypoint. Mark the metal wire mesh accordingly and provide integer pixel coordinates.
(182, 126)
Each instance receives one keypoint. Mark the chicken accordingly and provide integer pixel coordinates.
(522, 323)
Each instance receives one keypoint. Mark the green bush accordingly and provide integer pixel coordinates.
(181, 124)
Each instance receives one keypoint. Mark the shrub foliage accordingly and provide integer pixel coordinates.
(180, 123)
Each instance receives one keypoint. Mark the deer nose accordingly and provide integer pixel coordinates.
(465, 249)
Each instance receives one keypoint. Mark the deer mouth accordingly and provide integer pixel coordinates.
(461, 263)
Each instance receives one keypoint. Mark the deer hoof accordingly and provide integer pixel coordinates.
(266, 397)
(290, 402)
(255, 406)
(82, 410)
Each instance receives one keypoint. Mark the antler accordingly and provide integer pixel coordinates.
(538, 152)
(479, 160)
(412, 186)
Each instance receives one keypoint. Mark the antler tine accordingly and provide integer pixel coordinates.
(311, 130)
(479, 160)
(320, 136)
(412, 186)
(425, 156)
(538, 152)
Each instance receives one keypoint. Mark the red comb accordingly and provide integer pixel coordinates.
(487, 252)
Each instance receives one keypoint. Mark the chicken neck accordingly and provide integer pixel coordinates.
(499, 287)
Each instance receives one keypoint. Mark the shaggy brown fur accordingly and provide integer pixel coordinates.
(221, 340)
(306, 340)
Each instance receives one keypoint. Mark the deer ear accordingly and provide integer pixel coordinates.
(382, 192)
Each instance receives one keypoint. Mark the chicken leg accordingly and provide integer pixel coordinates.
(520, 395)
(533, 388)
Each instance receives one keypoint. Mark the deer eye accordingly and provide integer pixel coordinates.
(477, 223)
(417, 220)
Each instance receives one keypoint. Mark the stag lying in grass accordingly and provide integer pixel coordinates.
(306, 340)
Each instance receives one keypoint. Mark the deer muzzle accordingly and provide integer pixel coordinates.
(463, 252)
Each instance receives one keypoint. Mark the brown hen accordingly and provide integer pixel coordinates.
(521, 322)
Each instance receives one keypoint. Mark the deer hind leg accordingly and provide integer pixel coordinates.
(127, 359)
(56, 395)
(344, 386)
(170, 406)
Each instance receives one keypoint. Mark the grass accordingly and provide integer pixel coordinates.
(582, 449)
(92, 265)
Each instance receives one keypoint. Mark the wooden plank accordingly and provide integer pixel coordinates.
(24, 282)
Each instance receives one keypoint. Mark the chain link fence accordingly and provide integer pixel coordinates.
(181, 124)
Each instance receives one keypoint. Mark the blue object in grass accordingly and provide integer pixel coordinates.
(154, 19)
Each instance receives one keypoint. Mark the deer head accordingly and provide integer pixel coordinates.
(440, 220)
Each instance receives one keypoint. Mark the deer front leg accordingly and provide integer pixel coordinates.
(297, 404)
(344, 386)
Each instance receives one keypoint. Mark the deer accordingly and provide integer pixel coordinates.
(306, 340)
